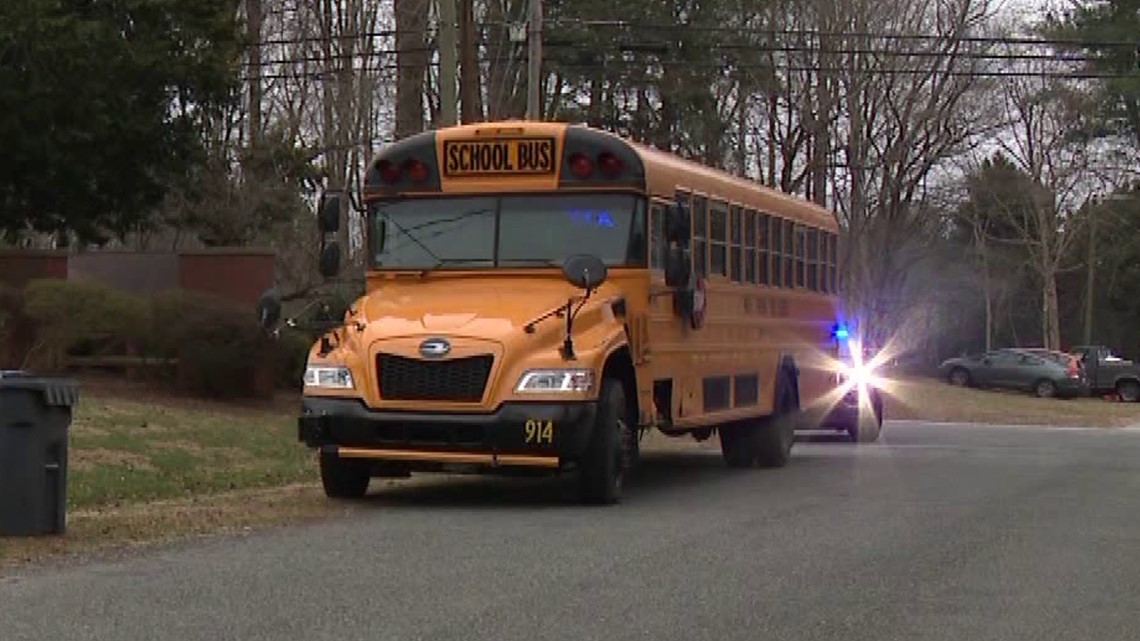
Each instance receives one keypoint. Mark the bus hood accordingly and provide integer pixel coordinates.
(491, 308)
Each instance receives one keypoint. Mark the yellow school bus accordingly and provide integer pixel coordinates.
(539, 295)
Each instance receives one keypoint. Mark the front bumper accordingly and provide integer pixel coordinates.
(517, 434)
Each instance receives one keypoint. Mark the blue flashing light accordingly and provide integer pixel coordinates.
(840, 332)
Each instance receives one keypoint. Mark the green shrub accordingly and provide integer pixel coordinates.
(221, 350)
(73, 317)
(292, 354)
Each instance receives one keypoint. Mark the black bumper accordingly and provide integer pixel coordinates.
(531, 429)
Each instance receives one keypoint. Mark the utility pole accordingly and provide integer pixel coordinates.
(448, 63)
(534, 60)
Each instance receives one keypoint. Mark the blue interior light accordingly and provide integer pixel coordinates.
(840, 332)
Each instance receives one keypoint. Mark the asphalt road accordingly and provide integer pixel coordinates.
(938, 532)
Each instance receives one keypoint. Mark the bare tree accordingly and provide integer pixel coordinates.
(910, 104)
(1045, 114)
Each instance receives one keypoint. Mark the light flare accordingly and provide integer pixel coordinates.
(860, 373)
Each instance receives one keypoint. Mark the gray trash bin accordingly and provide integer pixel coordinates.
(35, 414)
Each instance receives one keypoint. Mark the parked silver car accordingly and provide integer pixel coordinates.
(1017, 370)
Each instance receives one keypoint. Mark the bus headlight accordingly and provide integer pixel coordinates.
(328, 376)
(556, 380)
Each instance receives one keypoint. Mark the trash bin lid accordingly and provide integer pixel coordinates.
(56, 392)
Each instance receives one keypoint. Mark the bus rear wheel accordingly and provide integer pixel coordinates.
(736, 444)
(766, 442)
(775, 435)
(867, 426)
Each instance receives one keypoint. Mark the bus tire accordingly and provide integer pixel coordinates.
(736, 444)
(867, 427)
(607, 457)
(344, 478)
(773, 436)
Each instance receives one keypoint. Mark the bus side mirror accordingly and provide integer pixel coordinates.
(330, 260)
(328, 218)
(678, 267)
(584, 271)
(269, 309)
(678, 225)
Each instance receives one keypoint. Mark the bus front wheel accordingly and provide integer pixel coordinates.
(344, 478)
(612, 444)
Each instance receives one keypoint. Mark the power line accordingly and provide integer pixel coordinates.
(551, 27)
(817, 33)
(1006, 73)
(337, 74)
(636, 48)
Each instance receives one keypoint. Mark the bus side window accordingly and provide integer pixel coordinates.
(700, 236)
(718, 238)
(736, 244)
(801, 256)
(657, 236)
(776, 243)
(763, 238)
(750, 246)
(825, 263)
(813, 259)
(824, 242)
(833, 263)
(789, 254)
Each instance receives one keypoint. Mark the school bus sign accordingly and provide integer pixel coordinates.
(482, 158)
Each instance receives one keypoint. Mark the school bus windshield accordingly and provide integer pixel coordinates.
(506, 231)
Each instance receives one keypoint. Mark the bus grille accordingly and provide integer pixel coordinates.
(412, 379)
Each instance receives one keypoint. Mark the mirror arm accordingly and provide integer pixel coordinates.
(568, 342)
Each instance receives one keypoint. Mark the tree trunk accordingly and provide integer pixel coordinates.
(987, 283)
(470, 79)
(594, 111)
(411, 60)
(1051, 313)
(773, 123)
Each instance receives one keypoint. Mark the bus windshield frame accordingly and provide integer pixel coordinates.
(512, 230)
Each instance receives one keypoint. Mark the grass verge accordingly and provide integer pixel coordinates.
(928, 399)
(160, 467)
